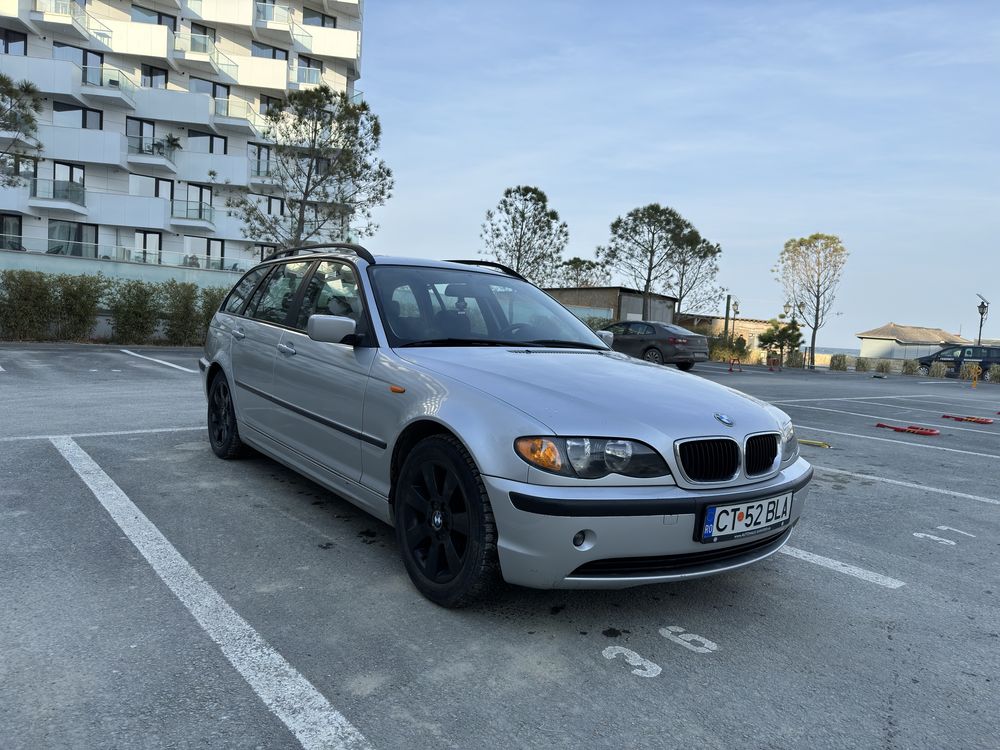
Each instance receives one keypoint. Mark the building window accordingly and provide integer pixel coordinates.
(266, 50)
(265, 251)
(260, 159)
(206, 143)
(154, 78)
(13, 42)
(151, 187)
(309, 62)
(147, 247)
(206, 252)
(266, 102)
(90, 62)
(274, 206)
(199, 193)
(312, 17)
(10, 232)
(145, 15)
(218, 91)
(202, 38)
(70, 116)
(72, 238)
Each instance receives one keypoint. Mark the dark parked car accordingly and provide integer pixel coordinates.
(662, 343)
(955, 356)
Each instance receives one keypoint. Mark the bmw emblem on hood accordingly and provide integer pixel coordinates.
(725, 419)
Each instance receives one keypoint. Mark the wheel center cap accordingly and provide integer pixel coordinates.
(437, 520)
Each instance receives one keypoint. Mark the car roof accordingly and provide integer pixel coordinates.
(389, 260)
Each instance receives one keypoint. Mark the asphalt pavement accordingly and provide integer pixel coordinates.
(156, 597)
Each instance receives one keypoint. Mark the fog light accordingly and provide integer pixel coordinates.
(579, 539)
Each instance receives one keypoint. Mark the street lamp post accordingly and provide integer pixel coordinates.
(983, 308)
(736, 312)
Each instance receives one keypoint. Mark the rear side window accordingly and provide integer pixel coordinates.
(241, 292)
(278, 292)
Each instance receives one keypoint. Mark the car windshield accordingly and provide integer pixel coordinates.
(431, 306)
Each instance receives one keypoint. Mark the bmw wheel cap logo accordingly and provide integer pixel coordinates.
(726, 420)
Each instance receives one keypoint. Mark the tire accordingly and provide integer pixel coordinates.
(684, 366)
(924, 370)
(445, 528)
(653, 355)
(223, 430)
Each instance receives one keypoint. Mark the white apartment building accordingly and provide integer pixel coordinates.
(143, 102)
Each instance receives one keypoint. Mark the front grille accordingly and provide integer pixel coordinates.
(665, 564)
(760, 455)
(709, 460)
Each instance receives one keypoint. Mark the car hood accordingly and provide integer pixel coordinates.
(603, 394)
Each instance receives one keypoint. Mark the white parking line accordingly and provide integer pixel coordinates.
(1, 369)
(911, 485)
(102, 434)
(845, 398)
(290, 696)
(944, 425)
(900, 442)
(158, 361)
(851, 570)
(907, 407)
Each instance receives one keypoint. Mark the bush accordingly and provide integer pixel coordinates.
(911, 367)
(27, 302)
(720, 350)
(77, 299)
(181, 316)
(938, 370)
(838, 362)
(862, 364)
(795, 359)
(883, 366)
(969, 370)
(135, 310)
(209, 302)
(993, 374)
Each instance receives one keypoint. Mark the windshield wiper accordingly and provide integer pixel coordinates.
(462, 342)
(565, 344)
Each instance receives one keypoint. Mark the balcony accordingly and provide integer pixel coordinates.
(304, 77)
(82, 145)
(68, 17)
(263, 172)
(58, 195)
(342, 44)
(198, 52)
(262, 73)
(192, 214)
(222, 12)
(145, 40)
(176, 106)
(237, 115)
(157, 153)
(352, 8)
(273, 22)
(107, 85)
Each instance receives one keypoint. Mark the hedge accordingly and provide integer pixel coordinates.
(838, 362)
(35, 306)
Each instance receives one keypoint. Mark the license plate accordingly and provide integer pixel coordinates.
(746, 519)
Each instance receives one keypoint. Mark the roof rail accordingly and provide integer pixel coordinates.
(490, 264)
(319, 248)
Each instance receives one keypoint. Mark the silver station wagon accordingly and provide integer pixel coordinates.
(500, 436)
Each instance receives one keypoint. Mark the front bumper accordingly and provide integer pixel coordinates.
(639, 534)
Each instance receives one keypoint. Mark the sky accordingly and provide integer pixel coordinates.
(757, 121)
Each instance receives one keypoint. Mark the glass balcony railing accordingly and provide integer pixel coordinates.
(194, 210)
(123, 253)
(239, 109)
(262, 168)
(108, 77)
(80, 17)
(301, 36)
(58, 190)
(305, 75)
(150, 146)
(356, 97)
(273, 13)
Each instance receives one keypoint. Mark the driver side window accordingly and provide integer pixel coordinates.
(276, 295)
(332, 290)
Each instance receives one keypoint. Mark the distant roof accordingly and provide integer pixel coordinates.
(700, 316)
(912, 335)
(618, 288)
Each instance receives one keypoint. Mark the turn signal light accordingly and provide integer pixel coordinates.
(541, 452)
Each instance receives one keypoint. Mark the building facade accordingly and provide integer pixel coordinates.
(614, 303)
(152, 116)
(895, 341)
(716, 325)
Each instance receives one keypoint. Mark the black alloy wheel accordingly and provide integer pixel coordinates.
(444, 524)
(653, 355)
(685, 366)
(223, 431)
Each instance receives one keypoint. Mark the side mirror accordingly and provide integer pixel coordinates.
(331, 329)
(606, 336)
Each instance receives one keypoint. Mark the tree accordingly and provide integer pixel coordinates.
(781, 337)
(525, 234)
(20, 103)
(644, 245)
(578, 272)
(693, 270)
(325, 166)
(809, 268)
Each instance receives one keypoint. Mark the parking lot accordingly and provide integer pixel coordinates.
(155, 596)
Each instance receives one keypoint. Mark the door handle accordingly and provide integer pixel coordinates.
(286, 349)
(238, 334)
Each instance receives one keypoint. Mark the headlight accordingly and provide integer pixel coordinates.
(789, 444)
(591, 458)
